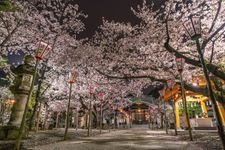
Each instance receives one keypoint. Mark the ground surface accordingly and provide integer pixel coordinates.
(132, 139)
(136, 138)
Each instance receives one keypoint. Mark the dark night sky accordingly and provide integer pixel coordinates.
(118, 10)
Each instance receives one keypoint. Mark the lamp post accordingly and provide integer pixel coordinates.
(72, 78)
(180, 64)
(170, 84)
(42, 50)
(32, 121)
(193, 28)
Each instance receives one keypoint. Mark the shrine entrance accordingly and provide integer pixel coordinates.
(139, 113)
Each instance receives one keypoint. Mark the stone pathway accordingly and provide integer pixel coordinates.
(133, 139)
(137, 138)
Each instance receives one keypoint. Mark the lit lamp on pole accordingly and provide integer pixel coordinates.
(193, 29)
(72, 79)
(180, 65)
(42, 50)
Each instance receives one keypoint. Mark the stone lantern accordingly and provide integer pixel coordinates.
(22, 83)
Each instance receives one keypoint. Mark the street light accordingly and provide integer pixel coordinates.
(170, 84)
(72, 78)
(193, 28)
(180, 65)
(42, 50)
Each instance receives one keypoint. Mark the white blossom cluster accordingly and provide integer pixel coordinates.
(120, 59)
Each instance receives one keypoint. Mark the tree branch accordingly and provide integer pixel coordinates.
(206, 41)
(130, 76)
(215, 70)
(216, 16)
(7, 38)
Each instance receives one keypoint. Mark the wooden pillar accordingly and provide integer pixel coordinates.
(222, 112)
(204, 108)
(177, 114)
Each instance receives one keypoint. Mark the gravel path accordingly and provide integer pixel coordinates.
(133, 139)
(53, 136)
(129, 139)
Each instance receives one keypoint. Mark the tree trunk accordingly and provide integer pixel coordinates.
(185, 107)
(46, 118)
(57, 120)
(212, 97)
(90, 119)
(38, 118)
(101, 117)
(68, 114)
